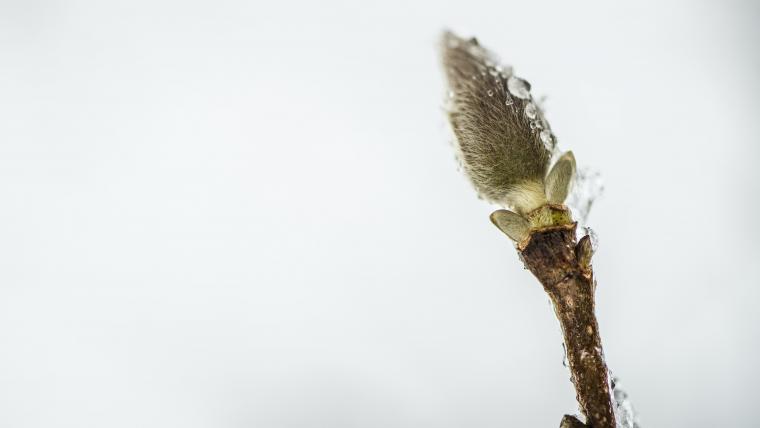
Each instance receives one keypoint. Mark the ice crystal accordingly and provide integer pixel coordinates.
(624, 412)
(588, 187)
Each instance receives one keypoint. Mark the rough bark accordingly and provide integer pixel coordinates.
(564, 270)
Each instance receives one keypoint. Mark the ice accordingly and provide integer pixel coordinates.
(518, 87)
(531, 111)
(624, 412)
(548, 139)
(587, 188)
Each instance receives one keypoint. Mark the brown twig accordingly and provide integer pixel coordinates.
(563, 268)
(505, 145)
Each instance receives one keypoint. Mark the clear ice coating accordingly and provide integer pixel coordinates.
(531, 111)
(587, 188)
(624, 412)
(518, 87)
(548, 139)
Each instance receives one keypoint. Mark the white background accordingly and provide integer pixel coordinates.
(248, 214)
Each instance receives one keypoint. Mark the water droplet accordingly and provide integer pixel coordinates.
(548, 139)
(536, 125)
(531, 110)
(518, 87)
(564, 355)
(490, 93)
(509, 101)
(475, 50)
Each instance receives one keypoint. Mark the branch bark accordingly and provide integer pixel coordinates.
(564, 270)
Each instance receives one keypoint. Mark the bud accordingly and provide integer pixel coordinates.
(560, 178)
(503, 140)
(513, 225)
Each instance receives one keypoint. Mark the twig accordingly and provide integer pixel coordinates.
(505, 145)
(563, 268)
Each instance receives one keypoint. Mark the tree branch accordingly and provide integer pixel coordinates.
(564, 269)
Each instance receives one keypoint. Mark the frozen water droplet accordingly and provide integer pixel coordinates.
(509, 101)
(531, 110)
(518, 87)
(474, 49)
(490, 93)
(564, 355)
(548, 139)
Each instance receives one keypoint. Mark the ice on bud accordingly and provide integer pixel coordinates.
(518, 87)
(548, 139)
(531, 110)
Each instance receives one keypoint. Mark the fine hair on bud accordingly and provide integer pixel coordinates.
(503, 141)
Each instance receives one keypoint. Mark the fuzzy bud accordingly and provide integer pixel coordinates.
(503, 140)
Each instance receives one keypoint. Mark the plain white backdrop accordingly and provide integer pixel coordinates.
(248, 214)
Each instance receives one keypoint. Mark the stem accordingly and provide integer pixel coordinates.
(564, 269)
